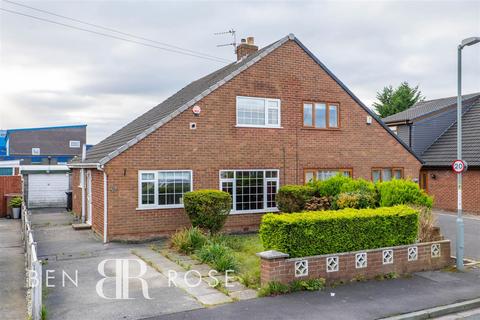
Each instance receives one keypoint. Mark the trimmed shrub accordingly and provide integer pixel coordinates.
(398, 191)
(318, 204)
(292, 198)
(324, 232)
(356, 200)
(188, 240)
(219, 256)
(208, 209)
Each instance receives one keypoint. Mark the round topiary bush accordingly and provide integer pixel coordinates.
(208, 209)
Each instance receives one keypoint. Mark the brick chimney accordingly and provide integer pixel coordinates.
(245, 48)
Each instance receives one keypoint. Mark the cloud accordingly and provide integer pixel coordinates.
(53, 75)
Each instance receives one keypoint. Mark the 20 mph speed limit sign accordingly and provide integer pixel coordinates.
(459, 166)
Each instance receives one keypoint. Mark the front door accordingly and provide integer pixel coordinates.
(88, 219)
(424, 180)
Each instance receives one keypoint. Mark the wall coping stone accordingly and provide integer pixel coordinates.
(272, 254)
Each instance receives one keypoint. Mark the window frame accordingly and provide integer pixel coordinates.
(34, 151)
(327, 115)
(393, 169)
(315, 171)
(76, 144)
(155, 205)
(234, 189)
(267, 108)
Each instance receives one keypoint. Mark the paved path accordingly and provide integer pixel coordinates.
(12, 274)
(67, 250)
(447, 223)
(361, 300)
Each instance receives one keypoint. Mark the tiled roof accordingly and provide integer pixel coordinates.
(444, 151)
(168, 108)
(147, 123)
(425, 107)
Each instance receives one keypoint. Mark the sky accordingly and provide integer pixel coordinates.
(54, 75)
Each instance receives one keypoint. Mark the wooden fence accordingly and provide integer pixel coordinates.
(8, 184)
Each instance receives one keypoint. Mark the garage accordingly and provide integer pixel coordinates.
(46, 188)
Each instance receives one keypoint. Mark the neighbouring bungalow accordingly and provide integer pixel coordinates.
(430, 128)
(275, 116)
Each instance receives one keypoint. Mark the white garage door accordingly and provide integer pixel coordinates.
(47, 190)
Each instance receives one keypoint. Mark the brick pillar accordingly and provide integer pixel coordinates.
(272, 266)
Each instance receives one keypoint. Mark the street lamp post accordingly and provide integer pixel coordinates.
(460, 225)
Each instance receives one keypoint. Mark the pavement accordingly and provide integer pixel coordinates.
(359, 300)
(447, 222)
(69, 252)
(12, 275)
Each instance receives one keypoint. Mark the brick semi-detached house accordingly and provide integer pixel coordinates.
(276, 116)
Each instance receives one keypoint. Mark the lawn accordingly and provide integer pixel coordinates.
(244, 248)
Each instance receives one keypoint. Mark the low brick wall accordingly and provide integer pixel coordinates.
(277, 266)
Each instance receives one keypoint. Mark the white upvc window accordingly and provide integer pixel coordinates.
(258, 112)
(163, 188)
(35, 151)
(252, 190)
(74, 144)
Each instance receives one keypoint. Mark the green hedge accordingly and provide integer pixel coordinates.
(292, 198)
(324, 232)
(397, 192)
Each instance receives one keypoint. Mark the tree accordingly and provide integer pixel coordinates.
(392, 101)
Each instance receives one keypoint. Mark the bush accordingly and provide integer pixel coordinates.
(219, 256)
(356, 200)
(188, 240)
(426, 225)
(208, 209)
(324, 232)
(291, 198)
(330, 187)
(318, 204)
(15, 202)
(398, 191)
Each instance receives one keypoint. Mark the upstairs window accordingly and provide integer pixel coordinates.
(35, 151)
(320, 115)
(258, 112)
(74, 144)
(386, 174)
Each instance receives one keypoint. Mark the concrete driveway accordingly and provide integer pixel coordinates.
(447, 222)
(65, 250)
(12, 275)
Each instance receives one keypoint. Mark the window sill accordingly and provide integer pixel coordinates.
(233, 212)
(321, 129)
(260, 127)
(176, 206)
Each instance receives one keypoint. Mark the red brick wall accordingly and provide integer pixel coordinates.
(97, 201)
(444, 189)
(283, 269)
(287, 74)
(8, 184)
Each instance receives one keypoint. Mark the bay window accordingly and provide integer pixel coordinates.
(164, 188)
(251, 190)
(258, 112)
